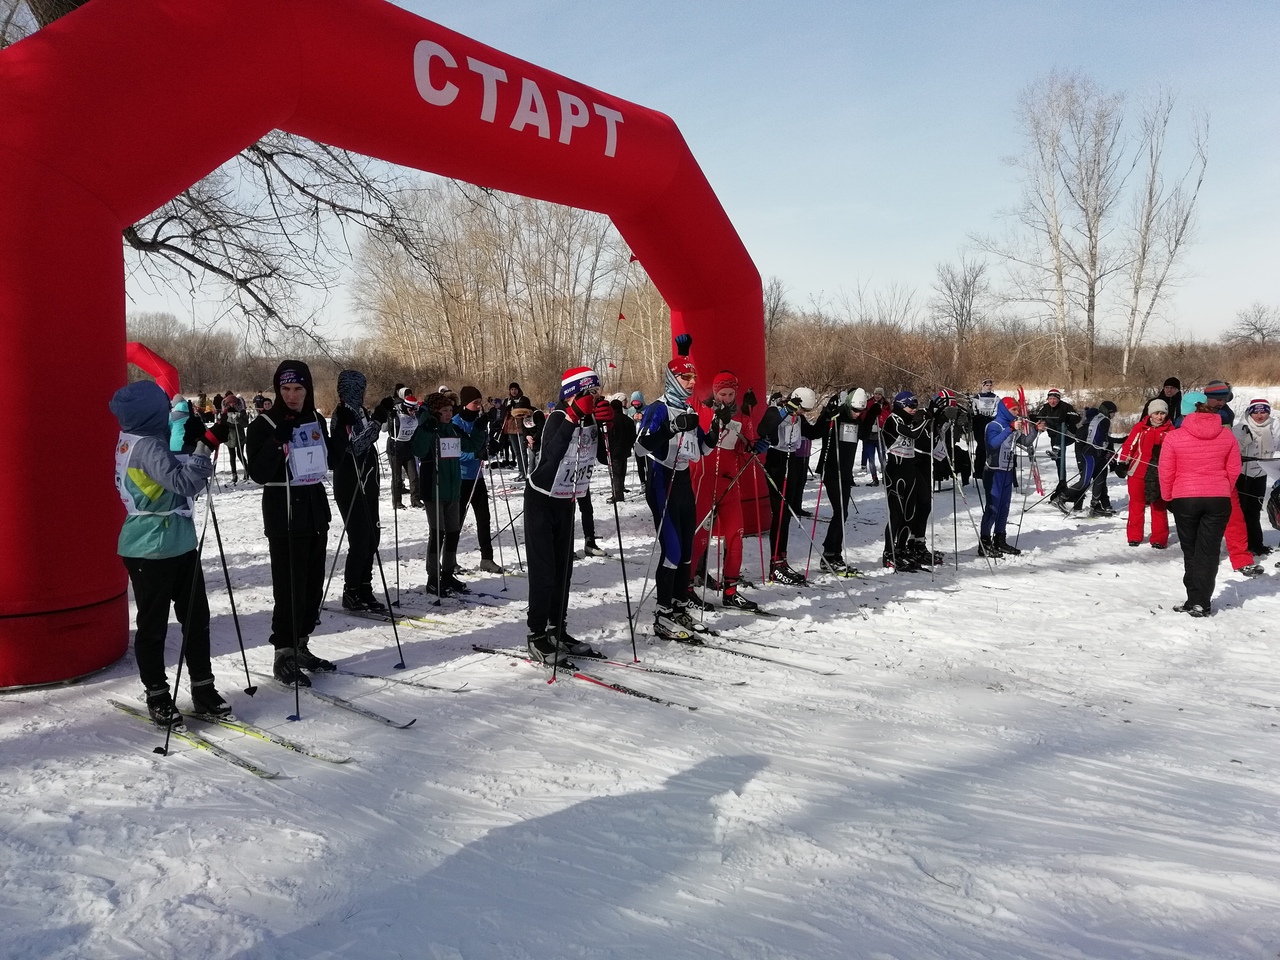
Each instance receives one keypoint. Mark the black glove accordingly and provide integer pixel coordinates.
(193, 430)
(749, 402)
(683, 343)
(685, 421)
(832, 407)
(724, 413)
(283, 431)
(220, 431)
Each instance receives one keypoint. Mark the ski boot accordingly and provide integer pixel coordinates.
(371, 602)
(161, 709)
(1252, 570)
(833, 564)
(454, 585)
(206, 700)
(1004, 546)
(680, 613)
(488, 566)
(989, 548)
(1099, 509)
(667, 627)
(309, 661)
(900, 564)
(736, 601)
(542, 647)
(1060, 502)
(434, 589)
(694, 599)
(353, 601)
(287, 670)
(593, 549)
(782, 573)
(572, 646)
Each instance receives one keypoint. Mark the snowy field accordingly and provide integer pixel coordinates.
(1035, 761)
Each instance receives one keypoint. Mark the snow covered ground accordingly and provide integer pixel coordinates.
(1035, 761)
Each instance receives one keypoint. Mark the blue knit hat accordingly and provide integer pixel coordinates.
(1190, 399)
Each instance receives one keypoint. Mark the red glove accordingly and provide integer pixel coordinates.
(603, 411)
(580, 407)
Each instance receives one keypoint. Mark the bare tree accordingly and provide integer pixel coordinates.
(264, 228)
(1256, 325)
(776, 309)
(961, 300)
(1161, 222)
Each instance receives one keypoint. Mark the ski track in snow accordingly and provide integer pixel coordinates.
(1036, 761)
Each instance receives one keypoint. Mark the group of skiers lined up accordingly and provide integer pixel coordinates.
(691, 462)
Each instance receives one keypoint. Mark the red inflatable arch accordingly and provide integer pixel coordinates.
(148, 361)
(117, 107)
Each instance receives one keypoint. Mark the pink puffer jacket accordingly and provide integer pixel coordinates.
(1199, 459)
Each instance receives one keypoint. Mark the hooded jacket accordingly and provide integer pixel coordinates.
(156, 486)
(1139, 446)
(1001, 440)
(306, 512)
(1199, 459)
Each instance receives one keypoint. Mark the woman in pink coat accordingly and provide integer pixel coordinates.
(1199, 464)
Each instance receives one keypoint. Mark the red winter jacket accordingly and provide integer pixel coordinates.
(1199, 459)
(1138, 445)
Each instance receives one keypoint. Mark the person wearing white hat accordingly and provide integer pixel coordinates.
(1258, 434)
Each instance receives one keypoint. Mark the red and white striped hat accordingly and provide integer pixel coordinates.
(577, 380)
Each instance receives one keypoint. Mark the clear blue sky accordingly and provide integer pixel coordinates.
(862, 141)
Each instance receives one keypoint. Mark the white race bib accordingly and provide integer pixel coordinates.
(406, 425)
(450, 448)
(985, 406)
(788, 436)
(849, 433)
(308, 457)
(729, 436)
(573, 476)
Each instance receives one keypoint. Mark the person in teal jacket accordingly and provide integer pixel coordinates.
(439, 446)
(158, 544)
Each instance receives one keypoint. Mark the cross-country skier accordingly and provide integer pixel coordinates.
(401, 424)
(717, 486)
(473, 421)
(158, 544)
(786, 466)
(355, 489)
(673, 439)
(839, 457)
(906, 487)
(562, 475)
(1093, 456)
(1005, 433)
(439, 447)
(288, 455)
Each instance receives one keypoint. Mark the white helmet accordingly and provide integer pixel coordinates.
(805, 398)
(857, 400)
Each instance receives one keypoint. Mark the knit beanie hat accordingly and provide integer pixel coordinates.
(468, 394)
(577, 380)
(1055, 392)
(1107, 407)
(1259, 405)
(1157, 406)
(1218, 390)
(904, 398)
(725, 379)
(1190, 399)
(1173, 382)
(351, 387)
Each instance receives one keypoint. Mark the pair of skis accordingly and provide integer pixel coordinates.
(572, 670)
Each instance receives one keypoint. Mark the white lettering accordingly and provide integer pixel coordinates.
(423, 54)
(573, 113)
(492, 77)
(611, 119)
(532, 110)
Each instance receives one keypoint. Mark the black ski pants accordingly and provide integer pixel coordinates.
(548, 535)
(918, 519)
(358, 505)
(837, 475)
(1201, 523)
(297, 585)
(475, 494)
(907, 488)
(157, 584)
(410, 467)
(444, 522)
(787, 475)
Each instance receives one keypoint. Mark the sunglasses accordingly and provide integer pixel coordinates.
(690, 377)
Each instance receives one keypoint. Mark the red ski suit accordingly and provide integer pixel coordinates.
(716, 486)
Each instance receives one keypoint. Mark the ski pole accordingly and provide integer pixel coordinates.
(377, 553)
(226, 575)
(293, 593)
(622, 554)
